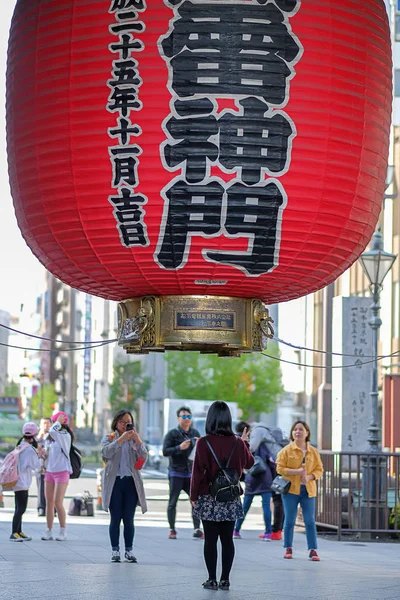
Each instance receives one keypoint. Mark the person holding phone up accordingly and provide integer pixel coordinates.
(178, 445)
(122, 485)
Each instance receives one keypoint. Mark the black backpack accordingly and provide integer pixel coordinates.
(75, 457)
(225, 487)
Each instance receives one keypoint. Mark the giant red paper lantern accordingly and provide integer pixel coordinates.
(233, 148)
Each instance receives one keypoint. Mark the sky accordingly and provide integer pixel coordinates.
(21, 275)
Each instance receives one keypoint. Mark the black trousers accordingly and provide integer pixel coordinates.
(176, 485)
(41, 501)
(123, 503)
(224, 531)
(278, 512)
(21, 502)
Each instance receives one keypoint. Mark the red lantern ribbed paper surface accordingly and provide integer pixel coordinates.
(226, 148)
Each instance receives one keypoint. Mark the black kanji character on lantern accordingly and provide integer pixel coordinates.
(124, 4)
(285, 5)
(125, 73)
(125, 99)
(192, 210)
(195, 149)
(128, 44)
(254, 142)
(231, 49)
(127, 22)
(129, 213)
(124, 131)
(125, 162)
(133, 234)
(252, 213)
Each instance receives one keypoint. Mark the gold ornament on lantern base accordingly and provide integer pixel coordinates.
(210, 324)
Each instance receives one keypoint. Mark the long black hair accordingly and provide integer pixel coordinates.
(26, 437)
(68, 428)
(219, 419)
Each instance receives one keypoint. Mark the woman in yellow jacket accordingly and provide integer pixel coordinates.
(300, 463)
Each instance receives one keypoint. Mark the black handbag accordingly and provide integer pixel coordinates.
(258, 468)
(280, 485)
(225, 486)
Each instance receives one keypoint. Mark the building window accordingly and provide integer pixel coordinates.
(397, 83)
(396, 310)
(397, 28)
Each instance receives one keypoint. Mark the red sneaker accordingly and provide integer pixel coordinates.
(276, 535)
(314, 556)
(172, 534)
(288, 553)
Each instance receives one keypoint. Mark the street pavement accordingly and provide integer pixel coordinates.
(80, 568)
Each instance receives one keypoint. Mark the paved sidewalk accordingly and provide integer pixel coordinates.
(80, 568)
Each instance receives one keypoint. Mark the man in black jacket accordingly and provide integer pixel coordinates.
(178, 444)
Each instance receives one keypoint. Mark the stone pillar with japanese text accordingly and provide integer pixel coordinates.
(351, 385)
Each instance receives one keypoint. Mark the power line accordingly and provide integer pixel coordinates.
(58, 349)
(332, 353)
(38, 337)
(357, 364)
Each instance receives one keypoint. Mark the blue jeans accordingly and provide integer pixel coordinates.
(122, 507)
(266, 505)
(290, 504)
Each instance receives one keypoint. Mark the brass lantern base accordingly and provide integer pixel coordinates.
(209, 324)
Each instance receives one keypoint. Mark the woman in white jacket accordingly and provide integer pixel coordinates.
(28, 462)
(57, 474)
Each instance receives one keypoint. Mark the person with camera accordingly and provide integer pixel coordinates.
(258, 482)
(43, 441)
(178, 445)
(215, 490)
(57, 474)
(122, 484)
(28, 462)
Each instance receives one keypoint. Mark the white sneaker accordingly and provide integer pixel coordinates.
(130, 557)
(48, 535)
(62, 536)
(115, 556)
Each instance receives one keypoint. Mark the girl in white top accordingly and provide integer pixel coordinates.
(57, 474)
(28, 462)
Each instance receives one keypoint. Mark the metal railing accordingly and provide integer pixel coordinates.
(359, 493)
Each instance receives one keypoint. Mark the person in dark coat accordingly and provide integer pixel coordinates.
(275, 440)
(178, 445)
(259, 485)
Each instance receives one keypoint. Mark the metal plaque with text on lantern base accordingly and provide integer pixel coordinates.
(197, 160)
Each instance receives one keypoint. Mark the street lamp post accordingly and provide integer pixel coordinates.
(376, 264)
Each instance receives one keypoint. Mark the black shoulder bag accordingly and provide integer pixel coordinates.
(225, 487)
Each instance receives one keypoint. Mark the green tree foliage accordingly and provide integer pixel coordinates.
(12, 389)
(43, 401)
(128, 386)
(254, 381)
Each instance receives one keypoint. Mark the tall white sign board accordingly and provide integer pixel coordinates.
(351, 385)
